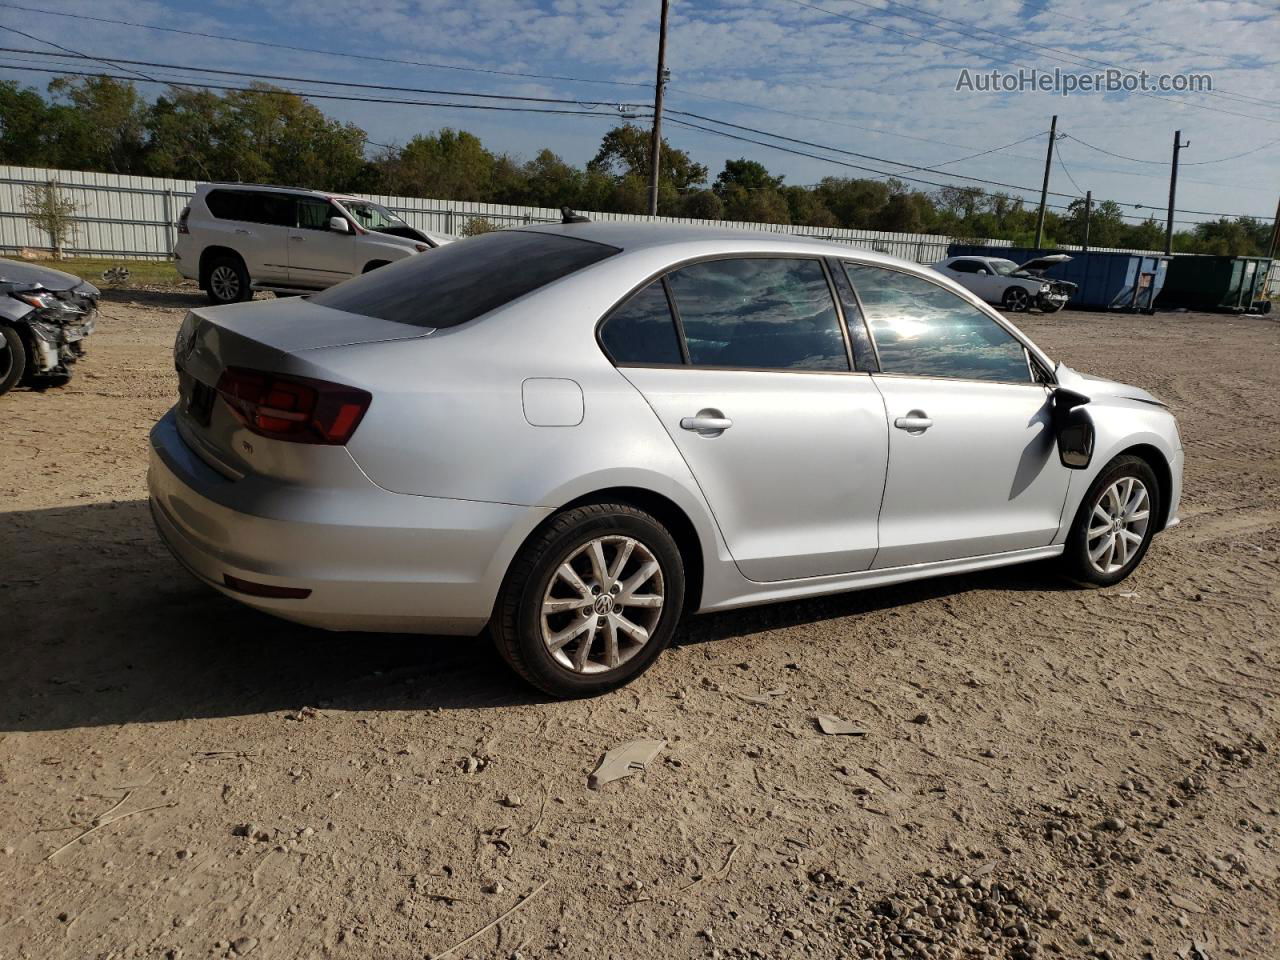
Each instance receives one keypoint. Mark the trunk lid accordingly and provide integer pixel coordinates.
(276, 337)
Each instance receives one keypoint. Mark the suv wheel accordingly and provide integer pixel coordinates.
(228, 280)
(1115, 523)
(590, 601)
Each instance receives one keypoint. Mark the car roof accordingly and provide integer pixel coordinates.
(630, 236)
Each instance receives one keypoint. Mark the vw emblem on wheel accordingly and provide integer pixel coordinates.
(603, 604)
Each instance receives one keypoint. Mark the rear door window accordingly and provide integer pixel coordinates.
(642, 330)
(252, 206)
(924, 330)
(464, 280)
(760, 313)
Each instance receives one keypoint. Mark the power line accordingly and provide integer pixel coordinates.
(267, 91)
(328, 53)
(1165, 163)
(1038, 133)
(1057, 152)
(1003, 62)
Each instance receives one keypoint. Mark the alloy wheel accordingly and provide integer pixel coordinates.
(225, 283)
(1017, 300)
(1118, 524)
(602, 604)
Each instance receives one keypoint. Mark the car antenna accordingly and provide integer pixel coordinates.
(568, 216)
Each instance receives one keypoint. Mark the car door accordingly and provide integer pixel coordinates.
(318, 256)
(973, 468)
(752, 378)
(254, 223)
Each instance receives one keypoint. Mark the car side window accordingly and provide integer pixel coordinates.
(924, 330)
(642, 330)
(759, 312)
(964, 266)
(314, 213)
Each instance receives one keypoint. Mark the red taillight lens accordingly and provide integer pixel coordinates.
(298, 409)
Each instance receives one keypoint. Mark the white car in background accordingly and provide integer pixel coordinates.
(1014, 286)
(235, 238)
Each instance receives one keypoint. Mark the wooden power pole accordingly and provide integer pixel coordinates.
(1275, 233)
(656, 148)
(1178, 146)
(1088, 212)
(1044, 189)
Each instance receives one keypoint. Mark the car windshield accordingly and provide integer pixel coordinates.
(1006, 268)
(371, 216)
(461, 281)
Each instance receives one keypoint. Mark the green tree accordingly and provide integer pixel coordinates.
(24, 126)
(854, 203)
(450, 164)
(805, 207)
(701, 205)
(624, 155)
(747, 174)
(97, 123)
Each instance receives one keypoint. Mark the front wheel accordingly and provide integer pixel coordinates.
(1016, 300)
(1050, 306)
(591, 601)
(1115, 523)
(13, 358)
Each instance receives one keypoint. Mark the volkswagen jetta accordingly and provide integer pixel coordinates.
(573, 434)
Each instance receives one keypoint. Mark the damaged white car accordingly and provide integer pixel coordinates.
(1015, 286)
(45, 316)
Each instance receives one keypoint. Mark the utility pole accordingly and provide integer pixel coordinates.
(1275, 233)
(1088, 210)
(1178, 146)
(656, 148)
(1044, 189)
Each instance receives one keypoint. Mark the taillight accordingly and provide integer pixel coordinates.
(298, 409)
(182, 220)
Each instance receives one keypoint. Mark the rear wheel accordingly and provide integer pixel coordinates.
(1016, 299)
(591, 601)
(1115, 523)
(13, 358)
(228, 280)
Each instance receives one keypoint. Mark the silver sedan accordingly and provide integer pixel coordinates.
(574, 434)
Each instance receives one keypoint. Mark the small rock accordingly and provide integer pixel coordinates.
(243, 945)
(470, 765)
(491, 888)
(1112, 825)
(185, 854)
(511, 800)
(921, 718)
(244, 830)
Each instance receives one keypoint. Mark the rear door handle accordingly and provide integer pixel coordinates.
(914, 422)
(708, 423)
(244, 232)
(297, 239)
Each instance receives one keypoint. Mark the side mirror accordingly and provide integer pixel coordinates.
(1073, 427)
(983, 271)
(339, 225)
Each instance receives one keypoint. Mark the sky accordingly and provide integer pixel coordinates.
(873, 77)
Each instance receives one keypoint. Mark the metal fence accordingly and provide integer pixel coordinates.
(135, 218)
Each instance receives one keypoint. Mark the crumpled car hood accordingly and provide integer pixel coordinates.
(23, 275)
(1093, 387)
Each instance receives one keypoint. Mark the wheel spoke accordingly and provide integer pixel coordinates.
(584, 646)
(636, 632)
(1101, 514)
(1121, 555)
(637, 580)
(610, 642)
(620, 561)
(1096, 553)
(599, 569)
(558, 640)
(557, 605)
(1138, 517)
(570, 576)
(1095, 532)
(1132, 537)
(644, 600)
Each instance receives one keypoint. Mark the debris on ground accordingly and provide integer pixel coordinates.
(624, 760)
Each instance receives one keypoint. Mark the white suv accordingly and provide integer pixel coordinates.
(235, 238)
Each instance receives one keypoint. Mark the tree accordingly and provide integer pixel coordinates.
(51, 211)
(97, 123)
(701, 205)
(805, 207)
(624, 155)
(854, 203)
(747, 174)
(24, 127)
(450, 164)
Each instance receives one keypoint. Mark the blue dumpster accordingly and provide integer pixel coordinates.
(1105, 280)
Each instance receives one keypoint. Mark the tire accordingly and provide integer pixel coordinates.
(1047, 306)
(13, 359)
(519, 625)
(227, 280)
(1122, 474)
(1016, 300)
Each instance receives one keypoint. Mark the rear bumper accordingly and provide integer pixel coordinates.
(372, 559)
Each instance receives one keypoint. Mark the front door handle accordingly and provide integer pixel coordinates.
(915, 423)
(707, 423)
(297, 239)
(245, 233)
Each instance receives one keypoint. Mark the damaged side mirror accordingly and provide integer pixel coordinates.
(1073, 427)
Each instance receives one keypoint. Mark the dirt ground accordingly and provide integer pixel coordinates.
(1045, 770)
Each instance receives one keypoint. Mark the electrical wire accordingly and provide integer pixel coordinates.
(1166, 163)
(1057, 152)
(329, 53)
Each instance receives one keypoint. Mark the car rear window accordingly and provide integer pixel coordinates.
(461, 281)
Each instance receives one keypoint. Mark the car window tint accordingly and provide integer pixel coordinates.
(225, 204)
(642, 330)
(965, 266)
(759, 312)
(923, 330)
(314, 214)
(460, 281)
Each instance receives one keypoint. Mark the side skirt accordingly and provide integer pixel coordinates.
(865, 580)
